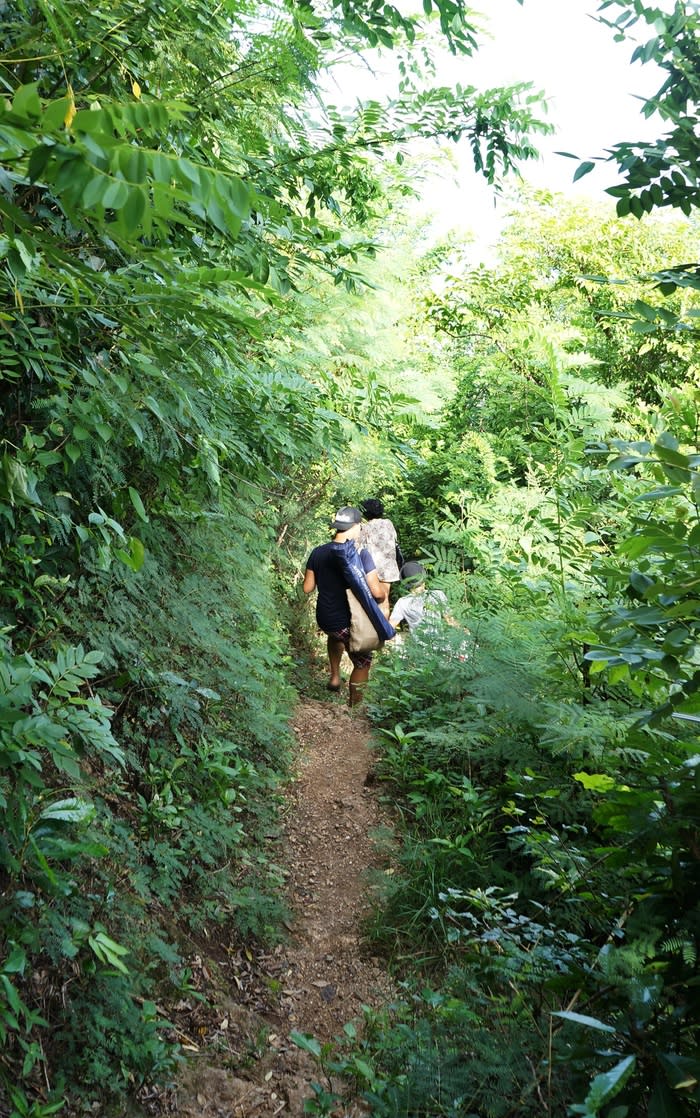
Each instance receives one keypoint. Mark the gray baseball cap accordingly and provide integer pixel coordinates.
(346, 517)
(412, 572)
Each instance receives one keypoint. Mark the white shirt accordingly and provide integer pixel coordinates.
(419, 609)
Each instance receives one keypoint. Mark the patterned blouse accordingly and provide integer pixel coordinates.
(379, 537)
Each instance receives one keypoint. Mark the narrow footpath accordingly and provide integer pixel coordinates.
(321, 978)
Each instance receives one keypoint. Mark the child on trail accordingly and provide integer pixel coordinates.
(425, 612)
(419, 607)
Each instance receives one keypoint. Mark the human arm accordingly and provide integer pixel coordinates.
(378, 591)
(372, 575)
(397, 614)
(309, 581)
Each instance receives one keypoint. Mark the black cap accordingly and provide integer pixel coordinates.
(346, 517)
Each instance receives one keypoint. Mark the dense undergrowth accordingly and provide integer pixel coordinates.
(543, 773)
(139, 815)
(543, 767)
(178, 210)
(185, 398)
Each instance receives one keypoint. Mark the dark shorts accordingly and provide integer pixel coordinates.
(359, 659)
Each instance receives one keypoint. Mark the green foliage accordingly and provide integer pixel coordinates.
(539, 896)
(181, 379)
(410, 1059)
(652, 629)
(167, 196)
(658, 174)
(546, 786)
(127, 1040)
(552, 259)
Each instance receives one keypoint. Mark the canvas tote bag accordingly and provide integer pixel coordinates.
(363, 635)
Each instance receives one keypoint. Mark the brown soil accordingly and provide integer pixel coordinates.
(247, 1066)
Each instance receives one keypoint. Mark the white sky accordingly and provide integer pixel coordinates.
(584, 72)
(591, 88)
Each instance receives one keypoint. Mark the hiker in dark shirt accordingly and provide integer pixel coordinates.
(323, 573)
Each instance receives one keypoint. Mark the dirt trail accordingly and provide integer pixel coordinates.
(321, 979)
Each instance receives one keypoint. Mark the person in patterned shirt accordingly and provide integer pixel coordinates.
(378, 535)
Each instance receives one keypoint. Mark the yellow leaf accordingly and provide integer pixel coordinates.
(71, 110)
(685, 1084)
(19, 301)
(136, 90)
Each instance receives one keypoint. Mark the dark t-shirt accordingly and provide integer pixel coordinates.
(332, 610)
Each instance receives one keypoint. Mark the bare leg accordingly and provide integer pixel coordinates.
(358, 679)
(335, 655)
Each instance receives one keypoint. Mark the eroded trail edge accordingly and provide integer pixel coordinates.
(321, 978)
